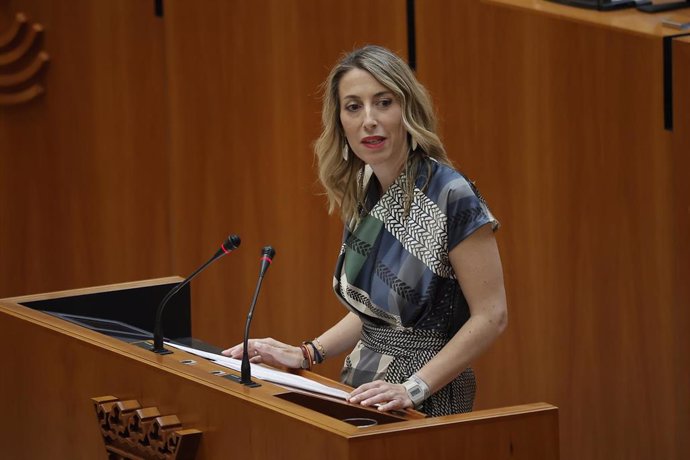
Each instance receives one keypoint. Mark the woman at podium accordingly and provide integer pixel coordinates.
(419, 270)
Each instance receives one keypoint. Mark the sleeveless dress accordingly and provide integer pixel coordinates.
(393, 271)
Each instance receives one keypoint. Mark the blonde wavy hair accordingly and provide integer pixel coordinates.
(343, 180)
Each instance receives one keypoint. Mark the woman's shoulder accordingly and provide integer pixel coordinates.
(445, 181)
(460, 197)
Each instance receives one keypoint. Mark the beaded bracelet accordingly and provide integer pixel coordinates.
(322, 350)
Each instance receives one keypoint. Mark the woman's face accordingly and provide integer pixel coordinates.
(371, 116)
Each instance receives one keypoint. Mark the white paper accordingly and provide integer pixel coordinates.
(269, 374)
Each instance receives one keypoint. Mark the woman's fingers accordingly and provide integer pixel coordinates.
(237, 350)
(233, 351)
(268, 351)
(387, 396)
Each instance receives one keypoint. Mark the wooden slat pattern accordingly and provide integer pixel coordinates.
(561, 123)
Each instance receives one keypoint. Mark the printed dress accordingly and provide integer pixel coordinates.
(394, 272)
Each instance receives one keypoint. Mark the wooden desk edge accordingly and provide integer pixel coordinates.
(93, 290)
(467, 418)
(265, 396)
(624, 20)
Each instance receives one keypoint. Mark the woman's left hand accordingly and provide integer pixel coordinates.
(387, 396)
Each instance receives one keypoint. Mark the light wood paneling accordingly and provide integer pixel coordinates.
(245, 108)
(561, 123)
(83, 183)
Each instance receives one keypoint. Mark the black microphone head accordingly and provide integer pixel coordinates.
(267, 255)
(268, 251)
(232, 242)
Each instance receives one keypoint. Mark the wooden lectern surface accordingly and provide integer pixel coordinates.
(53, 368)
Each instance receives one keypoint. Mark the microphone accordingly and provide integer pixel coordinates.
(231, 243)
(267, 255)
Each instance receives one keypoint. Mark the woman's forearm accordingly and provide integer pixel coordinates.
(467, 344)
(342, 336)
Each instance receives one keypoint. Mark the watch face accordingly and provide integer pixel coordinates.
(415, 392)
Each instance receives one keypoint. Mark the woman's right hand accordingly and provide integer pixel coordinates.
(268, 351)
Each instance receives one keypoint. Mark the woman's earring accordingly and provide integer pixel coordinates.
(346, 152)
(414, 144)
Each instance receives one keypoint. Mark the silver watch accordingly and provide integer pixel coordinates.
(417, 390)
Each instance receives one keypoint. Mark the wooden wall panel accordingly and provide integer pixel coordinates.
(681, 288)
(83, 182)
(245, 108)
(561, 124)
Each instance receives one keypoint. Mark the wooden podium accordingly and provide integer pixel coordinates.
(53, 368)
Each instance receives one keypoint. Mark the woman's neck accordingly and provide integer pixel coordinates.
(386, 175)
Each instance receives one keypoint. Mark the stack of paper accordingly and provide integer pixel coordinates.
(269, 374)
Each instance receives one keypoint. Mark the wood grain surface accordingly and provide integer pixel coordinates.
(561, 123)
(156, 137)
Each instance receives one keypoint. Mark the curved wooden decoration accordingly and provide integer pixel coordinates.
(10, 34)
(132, 432)
(34, 32)
(21, 96)
(24, 75)
(16, 83)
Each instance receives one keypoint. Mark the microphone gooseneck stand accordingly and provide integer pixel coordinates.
(267, 255)
(230, 244)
